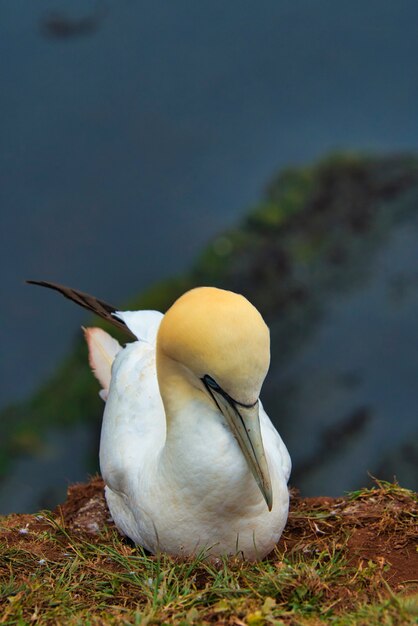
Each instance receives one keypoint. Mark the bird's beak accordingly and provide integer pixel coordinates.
(244, 423)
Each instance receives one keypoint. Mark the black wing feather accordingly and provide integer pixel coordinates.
(91, 303)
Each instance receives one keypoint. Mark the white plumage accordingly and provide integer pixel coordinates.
(190, 459)
(176, 476)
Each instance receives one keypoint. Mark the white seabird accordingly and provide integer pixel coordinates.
(189, 457)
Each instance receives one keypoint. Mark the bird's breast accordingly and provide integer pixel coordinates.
(203, 464)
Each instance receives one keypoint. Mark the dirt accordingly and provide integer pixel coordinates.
(377, 530)
(379, 527)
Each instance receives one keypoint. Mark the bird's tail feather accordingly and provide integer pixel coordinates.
(99, 307)
(102, 351)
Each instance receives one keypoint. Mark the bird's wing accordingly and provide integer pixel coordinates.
(91, 303)
(143, 325)
(103, 348)
(133, 427)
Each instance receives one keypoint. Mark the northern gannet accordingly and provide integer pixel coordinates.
(190, 459)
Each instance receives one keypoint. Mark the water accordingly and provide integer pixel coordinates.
(124, 150)
(344, 399)
(351, 388)
(41, 480)
(126, 147)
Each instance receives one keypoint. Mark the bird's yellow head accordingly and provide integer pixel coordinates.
(213, 345)
(220, 334)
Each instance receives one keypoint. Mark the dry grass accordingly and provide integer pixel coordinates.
(340, 561)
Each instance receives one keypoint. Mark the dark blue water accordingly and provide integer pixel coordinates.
(123, 149)
(346, 400)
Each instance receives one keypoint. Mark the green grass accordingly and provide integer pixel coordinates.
(105, 582)
(51, 574)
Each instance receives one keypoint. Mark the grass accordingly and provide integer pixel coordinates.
(53, 572)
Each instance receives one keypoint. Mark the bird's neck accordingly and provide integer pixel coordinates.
(200, 449)
(175, 388)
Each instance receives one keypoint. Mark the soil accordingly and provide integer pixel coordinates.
(376, 528)
(381, 528)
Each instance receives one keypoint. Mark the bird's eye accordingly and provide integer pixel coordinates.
(209, 382)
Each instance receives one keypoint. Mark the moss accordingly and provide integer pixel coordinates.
(286, 196)
(213, 265)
